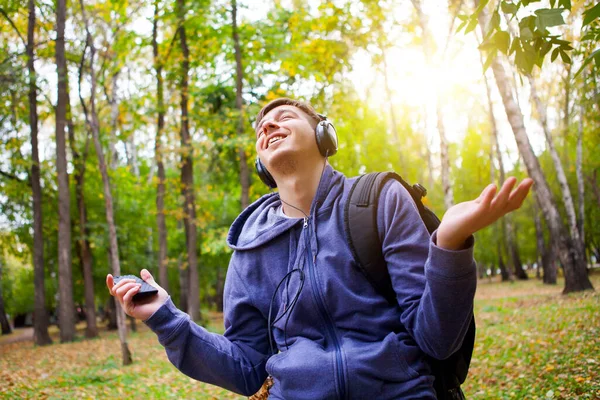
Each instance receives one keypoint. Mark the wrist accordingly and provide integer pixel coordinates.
(448, 241)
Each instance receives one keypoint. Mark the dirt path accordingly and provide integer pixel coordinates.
(17, 335)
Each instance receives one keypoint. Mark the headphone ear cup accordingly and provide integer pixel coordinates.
(326, 138)
(264, 174)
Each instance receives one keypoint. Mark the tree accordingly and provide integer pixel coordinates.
(239, 105)
(40, 323)
(576, 278)
(163, 279)
(94, 126)
(66, 307)
(187, 172)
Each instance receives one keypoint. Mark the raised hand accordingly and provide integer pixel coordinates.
(127, 288)
(464, 219)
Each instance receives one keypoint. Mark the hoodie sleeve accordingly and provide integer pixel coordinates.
(236, 360)
(434, 287)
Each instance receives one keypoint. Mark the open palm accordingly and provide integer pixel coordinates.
(464, 219)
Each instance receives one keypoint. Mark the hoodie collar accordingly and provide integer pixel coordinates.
(259, 223)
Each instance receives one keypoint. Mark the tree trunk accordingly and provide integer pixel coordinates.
(244, 171)
(513, 249)
(163, 279)
(66, 309)
(576, 238)
(40, 315)
(113, 101)
(111, 314)
(504, 272)
(544, 258)
(576, 278)
(3, 320)
(84, 249)
(579, 171)
(187, 175)
(428, 49)
(112, 232)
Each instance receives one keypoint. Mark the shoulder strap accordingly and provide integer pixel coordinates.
(360, 225)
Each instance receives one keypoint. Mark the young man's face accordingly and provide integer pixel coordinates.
(285, 136)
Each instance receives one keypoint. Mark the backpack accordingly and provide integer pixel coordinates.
(360, 225)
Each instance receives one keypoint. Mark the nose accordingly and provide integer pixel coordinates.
(269, 126)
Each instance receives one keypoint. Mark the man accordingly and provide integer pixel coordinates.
(293, 276)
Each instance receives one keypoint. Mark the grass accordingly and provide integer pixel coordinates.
(532, 343)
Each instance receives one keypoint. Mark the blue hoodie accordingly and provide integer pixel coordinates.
(335, 337)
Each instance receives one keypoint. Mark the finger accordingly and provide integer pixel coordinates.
(519, 194)
(120, 292)
(147, 276)
(487, 195)
(121, 283)
(128, 297)
(110, 282)
(502, 197)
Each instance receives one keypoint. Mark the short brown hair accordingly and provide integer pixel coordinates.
(284, 101)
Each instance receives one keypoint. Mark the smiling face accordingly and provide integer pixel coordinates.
(286, 140)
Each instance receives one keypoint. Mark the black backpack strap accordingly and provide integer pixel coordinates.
(360, 225)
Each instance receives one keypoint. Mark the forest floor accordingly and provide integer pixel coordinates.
(532, 343)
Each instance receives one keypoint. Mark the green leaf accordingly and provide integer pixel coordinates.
(547, 17)
(565, 57)
(526, 33)
(502, 40)
(509, 8)
(490, 58)
(552, 3)
(516, 45)
(565, 3)
(472, 25)
(591, 14)
(554, 54)
(495, 20)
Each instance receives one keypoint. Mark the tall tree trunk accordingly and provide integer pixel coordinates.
(3, 320)
(163, 279)
(84, 249)
(428, 49)
(576, 278)
(112, 232)
(66, 309)
(113, 101)
(183, 283)
(187, 174)
(545, 262)
(239, 76)
(577, 239)
(579, 171)
(40, 319)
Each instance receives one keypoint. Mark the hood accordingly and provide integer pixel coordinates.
(259, 223)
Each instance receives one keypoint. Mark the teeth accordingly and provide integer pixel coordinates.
(275, 139)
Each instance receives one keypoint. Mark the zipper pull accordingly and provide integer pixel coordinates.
(305, 222)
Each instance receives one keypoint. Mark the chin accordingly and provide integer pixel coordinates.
(283, 162)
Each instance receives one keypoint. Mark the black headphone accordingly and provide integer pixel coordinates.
(327, 143)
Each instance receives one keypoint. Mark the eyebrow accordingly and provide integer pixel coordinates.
(277, 115)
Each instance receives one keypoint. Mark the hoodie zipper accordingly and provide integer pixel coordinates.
(331, 333)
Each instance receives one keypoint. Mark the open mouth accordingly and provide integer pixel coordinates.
(275, 139)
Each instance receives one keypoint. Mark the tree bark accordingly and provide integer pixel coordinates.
(40, 314)
(3, 320)
(112, 232)
(187, 174)
(66, 309)
(113, 101)
(239, 76)
(561, 176)
(84, 249)
(576, 278)
(579, 171)
(544, 258)
(163, 279)
(428, 49)
(183, 283)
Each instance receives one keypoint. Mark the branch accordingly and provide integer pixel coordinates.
(10, 21)
(11, 176)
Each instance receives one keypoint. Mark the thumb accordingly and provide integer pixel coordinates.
(147, 276)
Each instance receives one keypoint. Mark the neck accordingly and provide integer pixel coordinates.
(299, 190)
